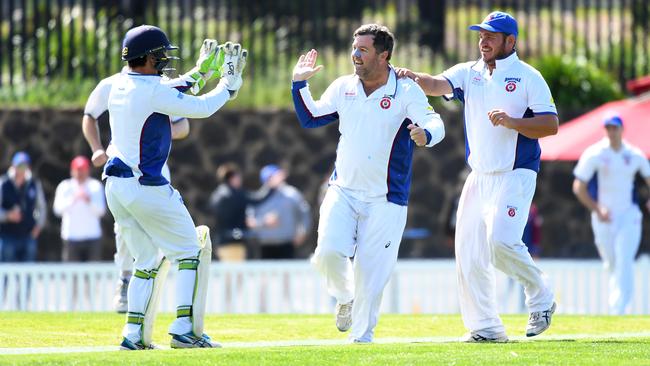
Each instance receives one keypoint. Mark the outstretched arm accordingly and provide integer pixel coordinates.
(432, 85)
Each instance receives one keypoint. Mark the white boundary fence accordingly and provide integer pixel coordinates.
(417, 286)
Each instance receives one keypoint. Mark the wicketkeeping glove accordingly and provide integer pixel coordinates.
(232, 67)
(203, 71)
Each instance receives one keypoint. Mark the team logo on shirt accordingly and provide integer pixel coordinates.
(512, 211)
(384, 103)
(511, 84)
(626, 159)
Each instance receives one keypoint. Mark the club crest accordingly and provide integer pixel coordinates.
(384, 103)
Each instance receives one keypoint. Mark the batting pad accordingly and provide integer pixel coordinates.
(158, 277)
(201, 282)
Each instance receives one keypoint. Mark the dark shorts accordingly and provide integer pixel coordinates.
(278, 251)
(82, 250)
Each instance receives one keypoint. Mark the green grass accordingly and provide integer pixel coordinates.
(568, 342)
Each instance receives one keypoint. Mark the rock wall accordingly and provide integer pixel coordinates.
(253, 139)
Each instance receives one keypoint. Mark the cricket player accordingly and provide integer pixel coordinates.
(604, 183)
(508, 106)
(96, 105)
(381, 119)
(155, 223)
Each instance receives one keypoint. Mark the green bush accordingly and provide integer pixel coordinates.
(577, 84)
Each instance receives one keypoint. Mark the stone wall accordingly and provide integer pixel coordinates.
(253, 139)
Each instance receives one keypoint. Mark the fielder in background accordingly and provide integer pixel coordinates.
(604, 183)
(155, 223)
(508, 106)
(381, 120)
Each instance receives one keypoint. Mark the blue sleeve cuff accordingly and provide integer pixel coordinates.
(297, 85)
(428, 137)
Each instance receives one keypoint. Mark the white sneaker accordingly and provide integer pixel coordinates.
(189, 340)
(539, 321)
(120, 301)
(344, 316)
(475, 337)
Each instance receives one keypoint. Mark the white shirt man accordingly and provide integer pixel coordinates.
(79, 201)
(508, 106)
(605, 185)
(364, 211)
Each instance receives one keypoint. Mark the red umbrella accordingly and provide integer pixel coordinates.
(576, 135)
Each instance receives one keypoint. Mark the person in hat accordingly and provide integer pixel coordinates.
(23, 211)
(79, 201)
(507, 107)
(604, 184)
(281, 218)
(156, 224)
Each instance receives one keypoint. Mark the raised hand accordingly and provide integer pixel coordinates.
(304, 68)
(234, 61)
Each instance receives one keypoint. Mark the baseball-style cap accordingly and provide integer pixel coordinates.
(80, 163)
(20, 158)
(613, 121)
(498, 21)
(268, 171)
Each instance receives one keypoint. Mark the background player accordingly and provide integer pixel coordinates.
(508, 106)
(96, 105)
(364, 210)
(151, 212)
(604, 184)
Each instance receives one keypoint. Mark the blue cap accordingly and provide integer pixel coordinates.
(613, 121)
(142, 40)
(268, 171)
(20, 158)
(498, 21)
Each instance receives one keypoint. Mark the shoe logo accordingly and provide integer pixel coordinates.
(387, 245)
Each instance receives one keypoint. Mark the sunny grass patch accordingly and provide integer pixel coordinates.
(102, 329)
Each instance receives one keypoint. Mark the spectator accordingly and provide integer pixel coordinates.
(79, 201)
(228, 203)
(281, 219)
(22, 211)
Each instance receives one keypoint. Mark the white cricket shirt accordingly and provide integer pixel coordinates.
(80, 220)
(374, 154)
(610, 174)
(514, 87)
(139, 107)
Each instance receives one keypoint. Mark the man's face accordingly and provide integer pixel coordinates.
(492, 45)
(614, 133)
(80, 174)
(365, 58)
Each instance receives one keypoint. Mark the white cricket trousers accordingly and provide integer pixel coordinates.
(492, 213)
(369, 231)
(617, 242)
(123, 258)
(153, 222)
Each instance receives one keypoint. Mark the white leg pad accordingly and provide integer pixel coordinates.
(158, 276)
(202, 277)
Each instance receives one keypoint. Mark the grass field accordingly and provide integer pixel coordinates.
(90, 338)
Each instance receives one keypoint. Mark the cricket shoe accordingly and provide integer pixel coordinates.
(344, 316)
(120, 301)
(128, 345)
(475, 337)
(189, 340)
(539, 321)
